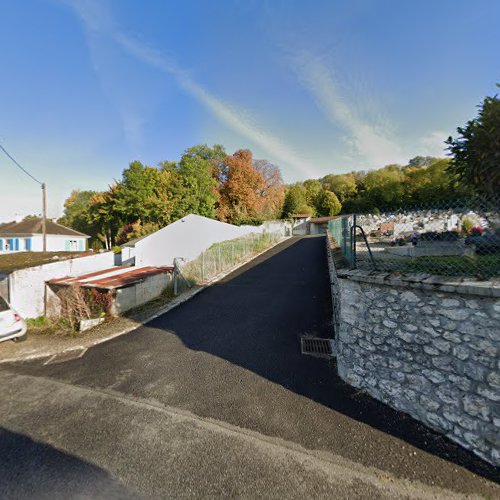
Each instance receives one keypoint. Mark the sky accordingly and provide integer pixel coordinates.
(329, 86)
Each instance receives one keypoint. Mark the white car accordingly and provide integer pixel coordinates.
(12, 326)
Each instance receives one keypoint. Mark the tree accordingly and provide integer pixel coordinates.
(143, 193)
(313, 191)
(384, 187)
(328, 204)
(296, 201)
(241, 198)
(273, 189)
(421, 161)
(343, 185)
(476, 150)
(197, 182)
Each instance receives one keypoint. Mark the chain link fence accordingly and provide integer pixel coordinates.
(460, 238)
(222, 256)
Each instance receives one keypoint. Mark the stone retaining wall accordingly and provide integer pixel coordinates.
(427, 346)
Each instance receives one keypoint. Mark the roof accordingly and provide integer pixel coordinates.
(34, 226)
(319, 220)
(112, 278)
(301, 216)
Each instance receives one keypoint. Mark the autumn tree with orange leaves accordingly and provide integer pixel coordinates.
(249, 192)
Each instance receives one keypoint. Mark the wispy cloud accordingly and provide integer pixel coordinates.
(372, 142)
(98, 19)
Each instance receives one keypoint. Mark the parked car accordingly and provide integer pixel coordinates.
(12, 326)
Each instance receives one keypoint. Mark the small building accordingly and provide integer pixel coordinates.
(126, 287)
(27, 236)
(318, 225)
(300, 223)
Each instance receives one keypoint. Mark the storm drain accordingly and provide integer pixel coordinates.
(314, 346)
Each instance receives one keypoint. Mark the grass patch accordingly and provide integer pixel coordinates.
(21, 260)
(46, 326)
(482, 266)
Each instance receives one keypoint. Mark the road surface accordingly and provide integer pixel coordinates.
(215, 399)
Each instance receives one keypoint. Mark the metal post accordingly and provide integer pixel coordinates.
(44, 216)
(353, 242)
(220, 258)
(202, 266)
(232, 253)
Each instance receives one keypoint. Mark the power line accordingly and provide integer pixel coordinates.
(17, 164)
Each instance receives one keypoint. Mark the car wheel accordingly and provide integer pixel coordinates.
(22, 338)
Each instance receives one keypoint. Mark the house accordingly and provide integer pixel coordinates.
(27, 236)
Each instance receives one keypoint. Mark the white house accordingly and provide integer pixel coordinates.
(27, 236)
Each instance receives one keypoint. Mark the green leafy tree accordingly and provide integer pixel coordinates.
(328, 204)
(296, 201)
(476, 150)
(343, 185)
(384, 187)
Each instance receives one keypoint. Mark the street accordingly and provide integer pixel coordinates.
(215, 399)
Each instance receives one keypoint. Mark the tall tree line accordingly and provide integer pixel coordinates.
(205, 181)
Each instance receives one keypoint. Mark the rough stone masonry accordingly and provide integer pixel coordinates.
(427, 346)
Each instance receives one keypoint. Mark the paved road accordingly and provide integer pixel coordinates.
(214, 399)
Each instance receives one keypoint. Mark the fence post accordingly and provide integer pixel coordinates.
(353, 241)
(233, 262)
(203, 266)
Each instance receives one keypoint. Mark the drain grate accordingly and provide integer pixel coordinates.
(315, 346)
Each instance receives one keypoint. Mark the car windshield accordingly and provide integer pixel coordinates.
(3, 305)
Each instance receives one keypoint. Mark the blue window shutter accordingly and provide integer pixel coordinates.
(11, 244)
(66, 245)
(1, 244)
(17, 243)
(28, 244)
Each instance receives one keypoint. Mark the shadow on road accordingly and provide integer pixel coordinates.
(254, 319)
(251, 323)
(31, 469)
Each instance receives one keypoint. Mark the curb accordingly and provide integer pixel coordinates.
(171, 305)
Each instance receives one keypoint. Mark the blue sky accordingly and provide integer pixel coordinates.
(315, 87)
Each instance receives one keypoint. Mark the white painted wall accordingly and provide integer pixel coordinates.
(27, 286)
(187, 238)
(55, 243)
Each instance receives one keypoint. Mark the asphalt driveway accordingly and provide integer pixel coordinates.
(215, 398)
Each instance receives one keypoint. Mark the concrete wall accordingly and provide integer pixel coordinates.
(429, 347)
(27, 286)
(187, 238)
(141, 293)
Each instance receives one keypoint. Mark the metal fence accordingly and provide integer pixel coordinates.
(460, 238)
(223, 256)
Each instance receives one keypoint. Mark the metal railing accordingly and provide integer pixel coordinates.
(459, 238)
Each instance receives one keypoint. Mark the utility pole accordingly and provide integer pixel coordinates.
(44, 216)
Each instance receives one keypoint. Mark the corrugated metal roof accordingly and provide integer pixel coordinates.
(34, 226)
(112, 278)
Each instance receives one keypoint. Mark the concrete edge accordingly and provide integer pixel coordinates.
(171, 305)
